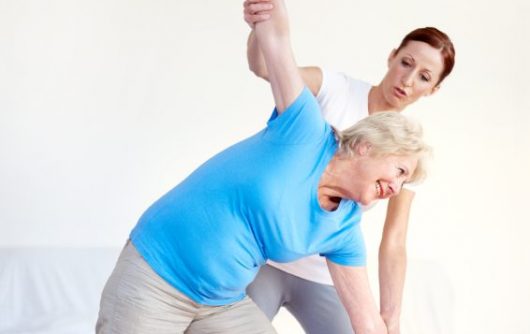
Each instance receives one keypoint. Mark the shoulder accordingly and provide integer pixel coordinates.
(300, 123)
(334, 82)
(343, 99)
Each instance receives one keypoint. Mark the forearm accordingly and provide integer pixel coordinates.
(355, 294)
(311, 75)
(256, 63)
(393, 259)
(392, 270)
(274, 42)
(255, 12)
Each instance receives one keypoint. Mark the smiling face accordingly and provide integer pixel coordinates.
(383, 177)
(413, 72)
(365, 178)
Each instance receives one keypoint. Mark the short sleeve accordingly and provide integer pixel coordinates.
(343, 100)
(333, 93)
(353, 251)
(300, 123)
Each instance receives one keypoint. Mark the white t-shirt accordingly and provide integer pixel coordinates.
(344, 102)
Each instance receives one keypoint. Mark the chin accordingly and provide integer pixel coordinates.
(369, 205)
(399, 104)
(365, 202)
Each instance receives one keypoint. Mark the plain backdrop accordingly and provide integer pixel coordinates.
(106, 105)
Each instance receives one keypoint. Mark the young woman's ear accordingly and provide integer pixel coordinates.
(433, 90)
(391, 56)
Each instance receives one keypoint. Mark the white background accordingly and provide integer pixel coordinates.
(106, 105)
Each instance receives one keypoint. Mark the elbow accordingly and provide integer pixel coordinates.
(394, 242)
(259, 72)
(393, 246)
(395, 252)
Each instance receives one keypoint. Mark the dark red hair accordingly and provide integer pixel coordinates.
(438, 40)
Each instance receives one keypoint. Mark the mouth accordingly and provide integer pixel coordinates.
(379, 189)
(400, 93)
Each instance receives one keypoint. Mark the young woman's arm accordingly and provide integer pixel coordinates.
(259, 11)
(312, 75)
(393, 259)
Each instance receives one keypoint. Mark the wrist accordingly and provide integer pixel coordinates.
(392, 323)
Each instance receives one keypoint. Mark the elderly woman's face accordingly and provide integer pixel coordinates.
(380, 177)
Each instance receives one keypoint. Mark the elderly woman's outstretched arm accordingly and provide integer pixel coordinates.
(354, 291)
(274, 41)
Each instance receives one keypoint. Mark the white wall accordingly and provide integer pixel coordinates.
(105, 105)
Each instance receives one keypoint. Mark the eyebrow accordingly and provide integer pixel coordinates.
(414, 60)
(410, 56)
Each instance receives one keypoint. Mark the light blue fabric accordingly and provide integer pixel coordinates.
(254, 201)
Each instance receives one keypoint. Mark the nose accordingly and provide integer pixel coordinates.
(407, 79)
(396, 186)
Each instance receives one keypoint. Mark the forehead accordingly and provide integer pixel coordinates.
(424, 55)
(407, 161)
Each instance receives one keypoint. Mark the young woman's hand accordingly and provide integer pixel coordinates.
(255, 11)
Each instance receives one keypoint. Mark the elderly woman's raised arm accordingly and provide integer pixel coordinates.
(274, 41)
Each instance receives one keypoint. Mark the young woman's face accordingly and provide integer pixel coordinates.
(413, 72)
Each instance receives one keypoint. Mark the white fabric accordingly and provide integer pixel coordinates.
(52, 290)
(343, 100)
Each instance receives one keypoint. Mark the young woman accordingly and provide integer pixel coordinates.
(289, 191)
(415, 69)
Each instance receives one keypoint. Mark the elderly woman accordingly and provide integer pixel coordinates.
(289, 191)
(416, 68)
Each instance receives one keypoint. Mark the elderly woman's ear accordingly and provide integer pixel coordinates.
(363, 148)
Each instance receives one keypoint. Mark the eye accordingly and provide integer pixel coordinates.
(401, 171)
(425, 77)
(406, 62)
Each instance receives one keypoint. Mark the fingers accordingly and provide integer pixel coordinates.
(252, 19)
(258, 7)
(255, 11)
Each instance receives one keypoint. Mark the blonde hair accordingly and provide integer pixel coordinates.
(388, 133)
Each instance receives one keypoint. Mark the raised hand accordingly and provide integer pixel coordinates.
(255, 11)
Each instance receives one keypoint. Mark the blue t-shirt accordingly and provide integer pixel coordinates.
(254, 201)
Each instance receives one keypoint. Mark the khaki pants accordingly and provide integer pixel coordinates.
(138, 301)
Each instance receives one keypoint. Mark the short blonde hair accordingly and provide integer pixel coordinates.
(388, 133)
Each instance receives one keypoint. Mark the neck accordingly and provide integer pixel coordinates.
(377, 101)
(329, 195)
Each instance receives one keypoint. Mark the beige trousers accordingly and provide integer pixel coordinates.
(136, 300)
